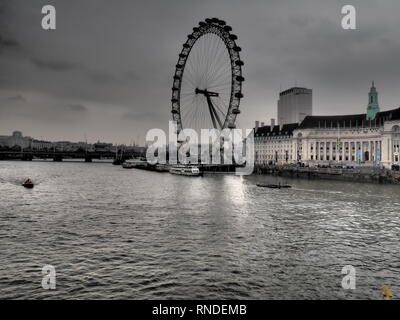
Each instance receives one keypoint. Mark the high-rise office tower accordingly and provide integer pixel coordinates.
(294, 105)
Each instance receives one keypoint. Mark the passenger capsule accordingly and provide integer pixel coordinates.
(235, 111)
(239, 62)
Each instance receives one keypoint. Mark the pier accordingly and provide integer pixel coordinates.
(357, 174)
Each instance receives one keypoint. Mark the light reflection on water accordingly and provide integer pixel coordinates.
(117, 233)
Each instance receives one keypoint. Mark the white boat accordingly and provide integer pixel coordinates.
(185, 170)
(134, 163)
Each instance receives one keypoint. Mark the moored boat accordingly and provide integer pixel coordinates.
(185, 170)
(274, 186)
(135, 163)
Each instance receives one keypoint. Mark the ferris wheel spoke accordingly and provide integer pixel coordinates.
(221, 88)
(222, 65)
(210, 55)
(189, 83)
(218, 64)
(221, 59)
(188, 106)
(186, 118)
(220, 75)
(203, 118)
(213, 115)
(221, 109)
(189, 76)
(185, 91)
(220, 79)
(187, 96)
(207, 57)
(192, 72)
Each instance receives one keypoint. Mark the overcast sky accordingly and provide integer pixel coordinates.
(106, 71)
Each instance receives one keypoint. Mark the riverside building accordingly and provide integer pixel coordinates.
(372, 138)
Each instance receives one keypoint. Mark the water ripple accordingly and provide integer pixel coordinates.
(126, 234)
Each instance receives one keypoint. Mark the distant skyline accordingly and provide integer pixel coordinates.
(106, 71)
(45, 139)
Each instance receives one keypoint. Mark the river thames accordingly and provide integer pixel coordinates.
(113, 233)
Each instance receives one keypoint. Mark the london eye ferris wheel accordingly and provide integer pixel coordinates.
(207, 83)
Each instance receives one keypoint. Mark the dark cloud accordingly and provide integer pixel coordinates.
(100, 77)
(76, 108)
(8, 43)
(17, 98)
(54, 65)
(113, 61)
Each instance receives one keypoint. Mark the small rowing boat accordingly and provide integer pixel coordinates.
(28, 184)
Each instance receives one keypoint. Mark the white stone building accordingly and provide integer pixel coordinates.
(274, 144)
(370, 139)
(349, 139)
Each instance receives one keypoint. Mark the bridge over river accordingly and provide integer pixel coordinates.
(87, 156)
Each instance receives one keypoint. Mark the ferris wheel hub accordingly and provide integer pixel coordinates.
(206, 93)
